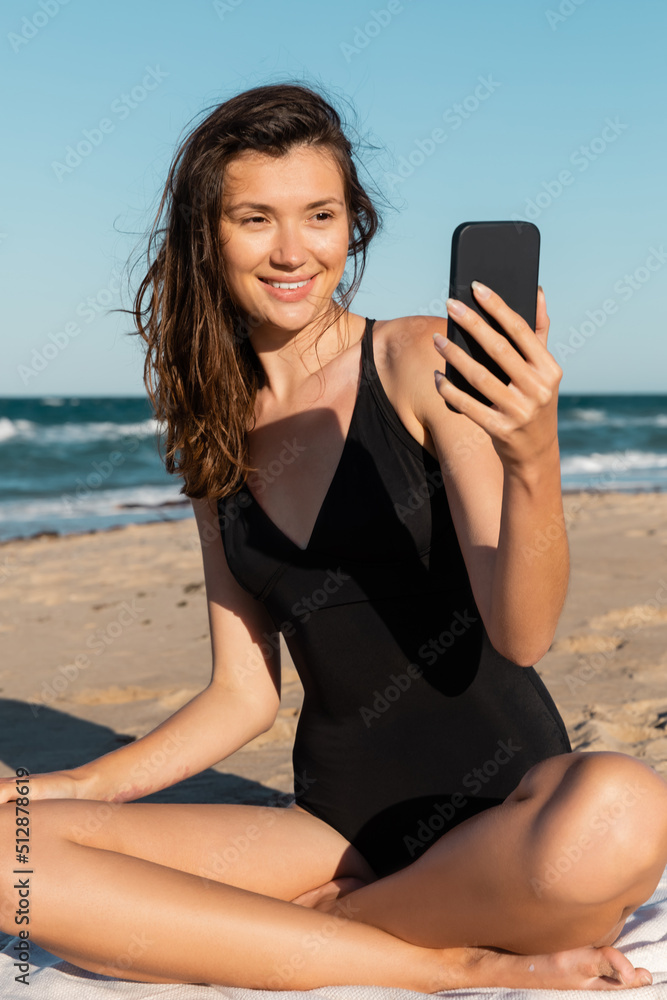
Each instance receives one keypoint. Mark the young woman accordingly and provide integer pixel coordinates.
(443, 834)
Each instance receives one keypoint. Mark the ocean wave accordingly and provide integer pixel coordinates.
(614, 461)
(571, 424)
(83, 500)
(13, 428)
(76, 433)
(588, 415)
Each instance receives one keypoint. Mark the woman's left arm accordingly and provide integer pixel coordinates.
(502, 472)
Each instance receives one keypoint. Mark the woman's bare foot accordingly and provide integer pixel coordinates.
(585, 968)
(576, 969)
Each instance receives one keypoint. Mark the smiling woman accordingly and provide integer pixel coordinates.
(435, 789)
(211, 259)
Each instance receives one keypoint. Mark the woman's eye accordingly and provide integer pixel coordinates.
(260, 218)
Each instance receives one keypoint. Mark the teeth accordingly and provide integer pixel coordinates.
(286, 284)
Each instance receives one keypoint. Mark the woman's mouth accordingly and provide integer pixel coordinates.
(288, 291)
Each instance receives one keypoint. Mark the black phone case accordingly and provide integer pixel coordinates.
(504, 256)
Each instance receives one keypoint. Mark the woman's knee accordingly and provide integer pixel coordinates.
(28, 830)
(600, 832)
(604, 781)
(622, 795)
(12, 838)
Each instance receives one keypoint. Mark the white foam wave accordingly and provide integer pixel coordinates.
(570, 424)
(615, 461)
(83, 500)
(13, 428)
(588, 415)
(76, 433)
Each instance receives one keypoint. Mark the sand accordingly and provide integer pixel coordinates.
(130, 603)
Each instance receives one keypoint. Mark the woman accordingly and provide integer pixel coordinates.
(436, 793)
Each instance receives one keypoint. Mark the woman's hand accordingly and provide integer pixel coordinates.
(50, 785)
(522, 421)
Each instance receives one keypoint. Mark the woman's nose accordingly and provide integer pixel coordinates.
(288, 246)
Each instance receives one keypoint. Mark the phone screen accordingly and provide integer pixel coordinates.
(504, 256)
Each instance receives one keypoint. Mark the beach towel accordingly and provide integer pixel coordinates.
(644, 941)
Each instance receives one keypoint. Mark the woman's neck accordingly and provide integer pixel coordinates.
(291, 361)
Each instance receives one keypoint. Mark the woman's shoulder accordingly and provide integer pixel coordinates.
(408, 337)
(405, 353)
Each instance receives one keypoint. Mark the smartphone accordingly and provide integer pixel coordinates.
(505, 257)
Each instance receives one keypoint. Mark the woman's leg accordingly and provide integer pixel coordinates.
(579, 844)
(116, 914)
(273, 850)
(165, 915)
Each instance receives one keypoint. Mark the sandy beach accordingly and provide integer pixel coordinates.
(105, 634)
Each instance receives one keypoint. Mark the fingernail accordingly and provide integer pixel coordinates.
(438, 377)
(646, 980)
(439, 341)
(455, 308)
(481, 289)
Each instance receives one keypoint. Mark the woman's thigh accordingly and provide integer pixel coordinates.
(576, 847)
(275, 851)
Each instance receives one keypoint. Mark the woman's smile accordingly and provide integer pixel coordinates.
(288, 291)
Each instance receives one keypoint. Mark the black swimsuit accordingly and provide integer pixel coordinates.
(411, 721)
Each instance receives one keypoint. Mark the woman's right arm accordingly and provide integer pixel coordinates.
(240, 702)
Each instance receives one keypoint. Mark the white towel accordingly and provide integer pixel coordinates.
(644, 941)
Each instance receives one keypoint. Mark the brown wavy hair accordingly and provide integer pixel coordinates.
(201, 371)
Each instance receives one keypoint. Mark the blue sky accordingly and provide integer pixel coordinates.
(523, 92)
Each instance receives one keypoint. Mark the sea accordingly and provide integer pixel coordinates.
(80, 464)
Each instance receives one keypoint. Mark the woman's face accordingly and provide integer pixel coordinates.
(284, 219)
